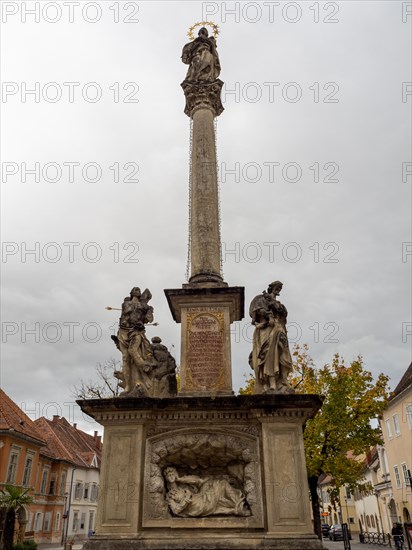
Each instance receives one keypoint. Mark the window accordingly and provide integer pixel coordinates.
(47, 521)
(348, 493)
(28, 467)
(86, 491)
(397, 477)
(57, 523)
(52, 484)
(409, 415)
(28, 526)
(78, 492)
(44, 477)
(13, 463)
(63, 483)
(388, 428)
(373, 521)
(82, 521)
(385, 467)
(351, 520)
(405, 474)
(38, 522)
(94, 493)
(91, 518)
(368, 521)
(396, 424)
(75, 520)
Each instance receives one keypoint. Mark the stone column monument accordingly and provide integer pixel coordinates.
(206, 306)
(202, 468)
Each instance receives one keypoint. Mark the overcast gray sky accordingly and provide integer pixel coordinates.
(315, 168)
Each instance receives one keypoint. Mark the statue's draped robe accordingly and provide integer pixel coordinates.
(271, 359)
(203, 60)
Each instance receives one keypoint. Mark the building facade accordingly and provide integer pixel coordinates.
(59, 464)
(25, 461)
(343, 510)
(396, 424)
(79, 483)
(371, 494)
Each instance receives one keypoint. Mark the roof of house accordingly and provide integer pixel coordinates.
(57, 438)
(325, 479)
(404, 383)
(66, 442)
(13, 419)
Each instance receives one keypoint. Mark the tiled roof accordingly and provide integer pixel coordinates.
(325, 479)
(66, 442)
(405, 381)
(12, 418)
(58, 439)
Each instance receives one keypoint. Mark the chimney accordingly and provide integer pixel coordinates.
(75, 426)
(56, 417)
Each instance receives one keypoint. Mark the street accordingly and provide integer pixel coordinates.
(58, 547)
(330, 545)
(354, 544)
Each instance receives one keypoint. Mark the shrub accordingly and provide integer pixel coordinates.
(25, 545)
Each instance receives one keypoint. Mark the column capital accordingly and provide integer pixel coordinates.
(203, 95)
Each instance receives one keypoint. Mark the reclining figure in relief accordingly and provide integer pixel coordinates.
(148, 370)
(195, 496)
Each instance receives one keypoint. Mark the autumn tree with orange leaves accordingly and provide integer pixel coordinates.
(344, 426)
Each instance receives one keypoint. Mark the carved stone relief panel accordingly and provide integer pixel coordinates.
(205, 475)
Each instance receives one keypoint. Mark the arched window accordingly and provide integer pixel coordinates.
(373, 521)
(368, 521)
(406, 514)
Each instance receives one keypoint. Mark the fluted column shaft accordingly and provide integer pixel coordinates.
(205, 238)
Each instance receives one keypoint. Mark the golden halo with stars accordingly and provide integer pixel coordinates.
(210, 24)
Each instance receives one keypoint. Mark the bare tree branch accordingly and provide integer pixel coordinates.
(105, 385)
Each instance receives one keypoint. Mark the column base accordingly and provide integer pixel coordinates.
(206, 315)
(255, 441)
(218, 541)
(210, 279)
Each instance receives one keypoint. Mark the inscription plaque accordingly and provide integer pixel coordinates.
(205, 349)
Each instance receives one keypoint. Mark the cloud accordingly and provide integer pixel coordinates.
(133, 218)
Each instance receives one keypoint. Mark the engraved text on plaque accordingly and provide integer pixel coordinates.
(205, 354)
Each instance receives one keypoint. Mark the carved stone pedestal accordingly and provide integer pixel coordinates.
(234, 465)
(206, 315)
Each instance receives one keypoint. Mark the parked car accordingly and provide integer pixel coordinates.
(335, 532)
(325, 529)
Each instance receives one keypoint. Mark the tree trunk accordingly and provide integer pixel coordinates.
(8, 534)
(2, 520)
(313, 488)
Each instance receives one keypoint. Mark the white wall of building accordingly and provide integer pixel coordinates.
(83, 502)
